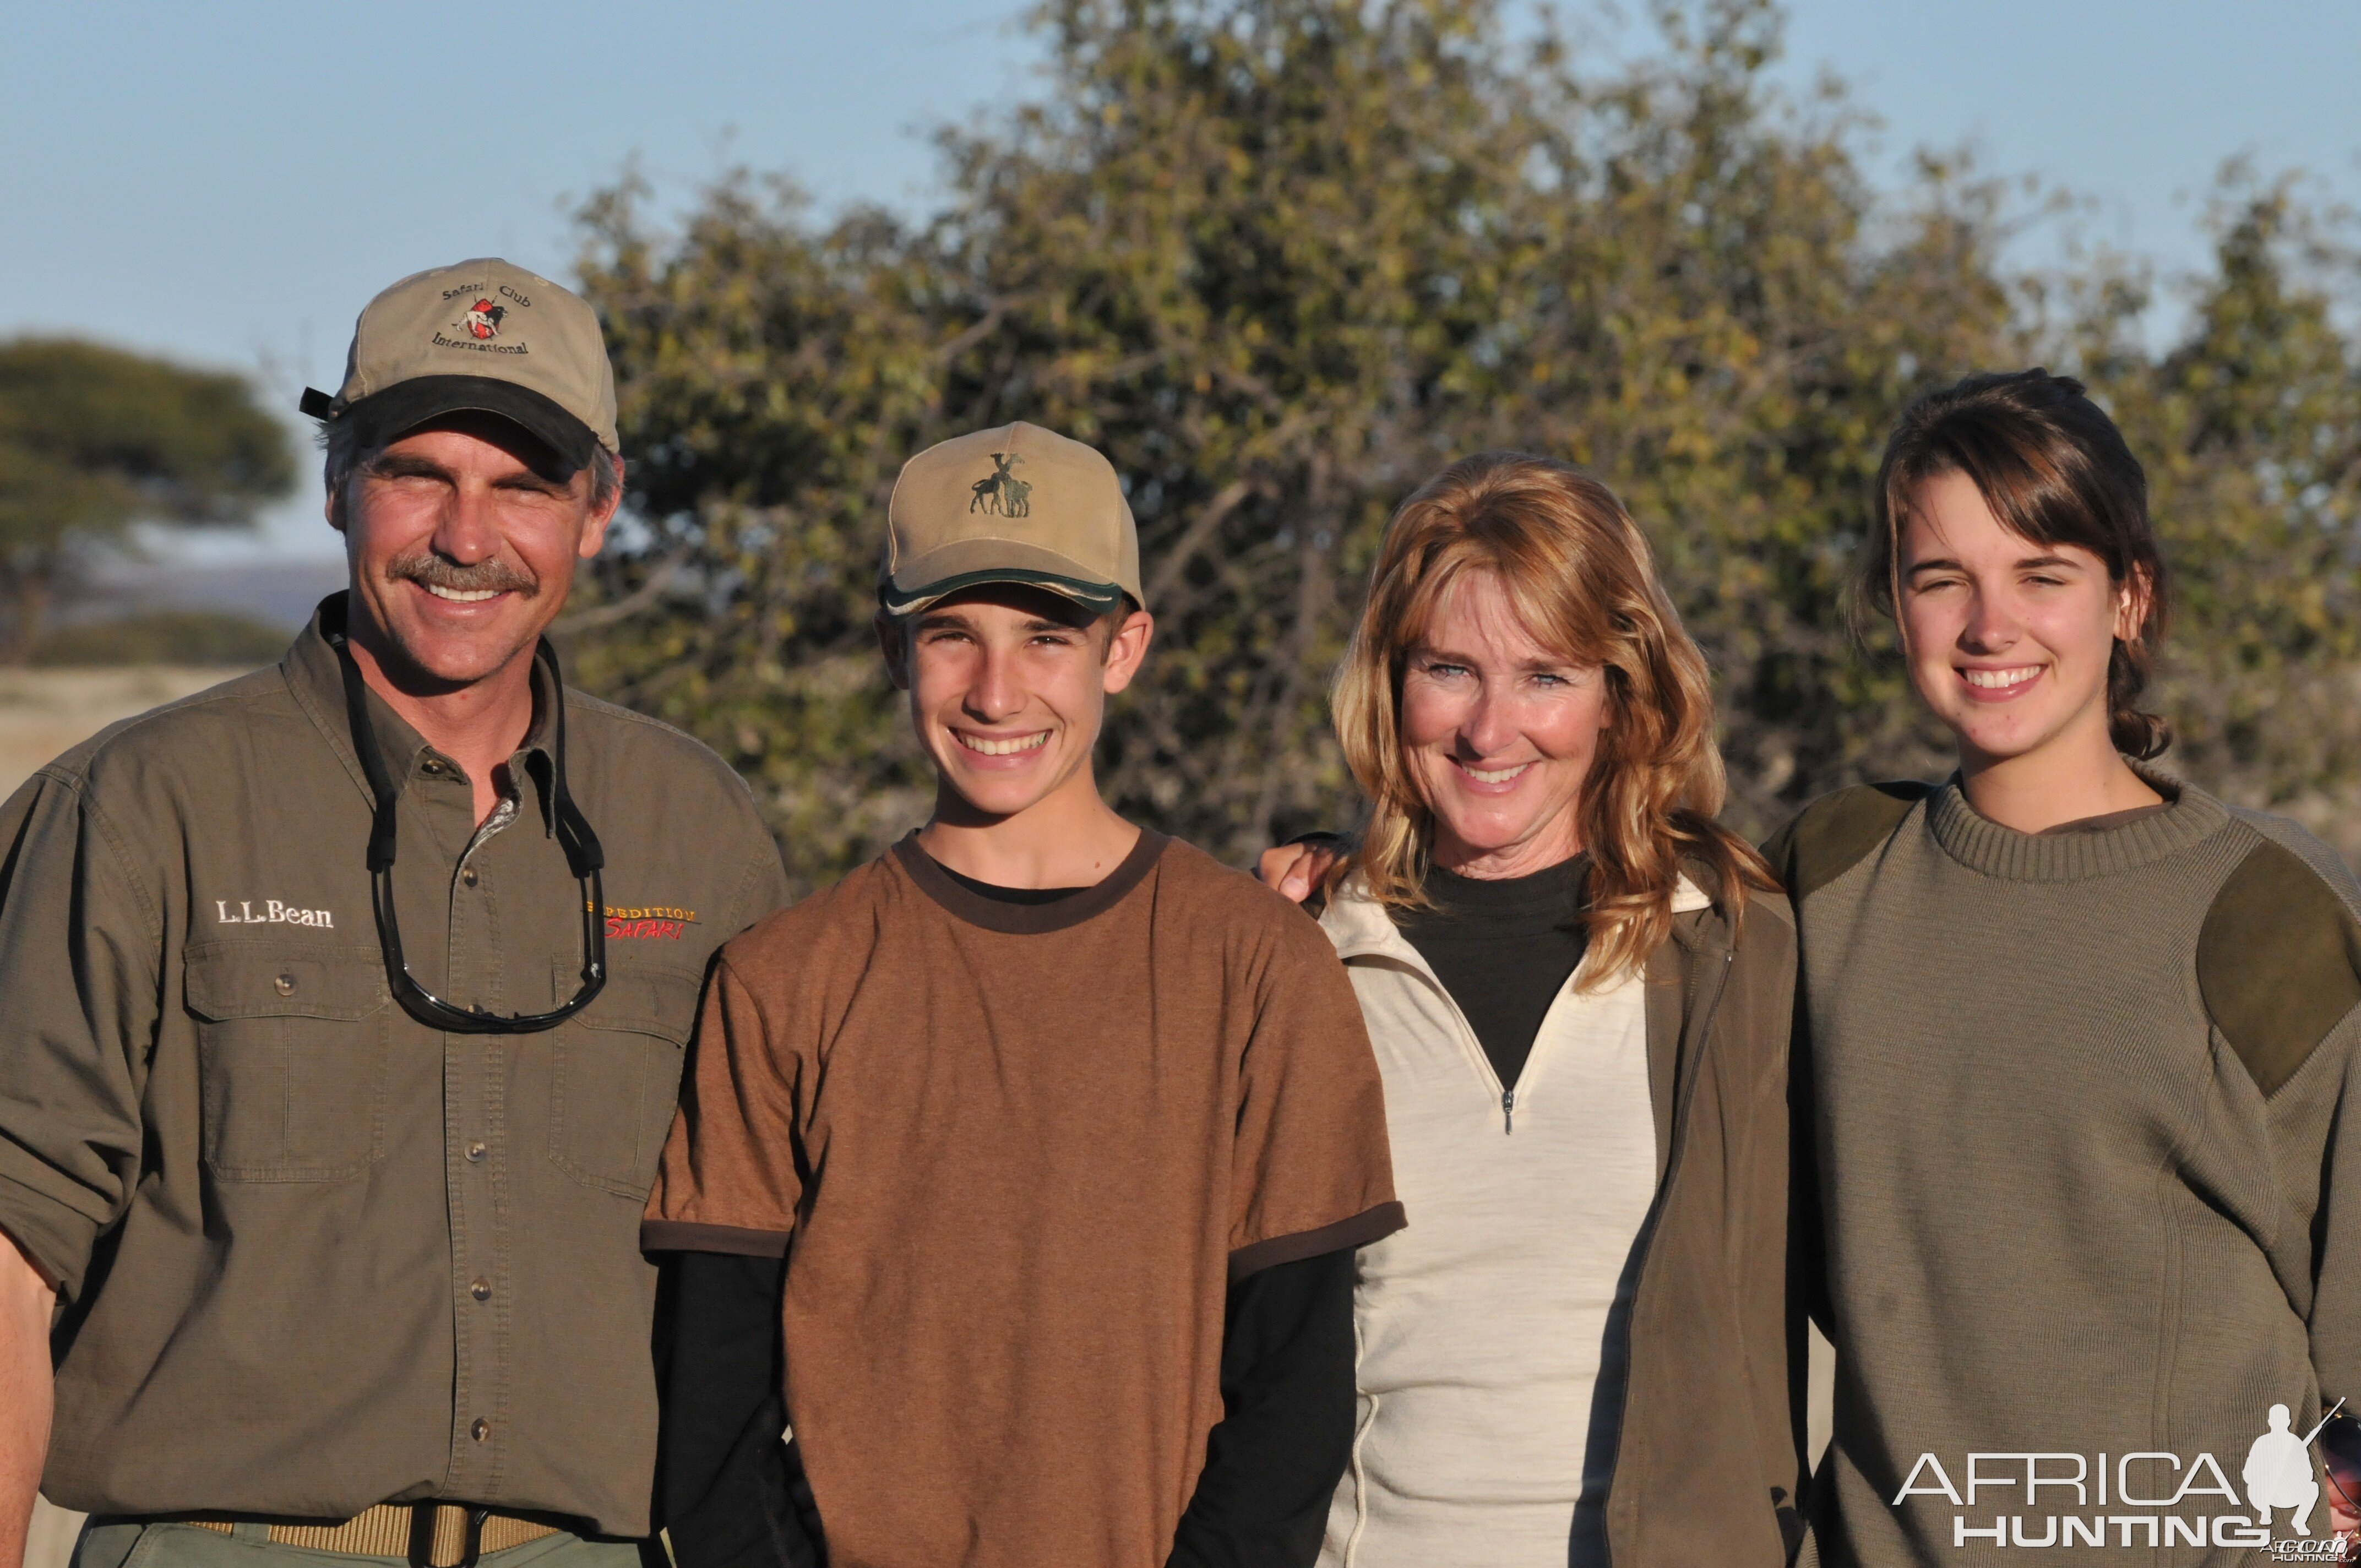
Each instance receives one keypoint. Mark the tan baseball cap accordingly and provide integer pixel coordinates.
(485, 335)
(1018, 504)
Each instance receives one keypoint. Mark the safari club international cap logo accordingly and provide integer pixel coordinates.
(482, 321)
(484, 311)
(2139, 1501)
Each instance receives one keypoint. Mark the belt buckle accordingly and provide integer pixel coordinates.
(423, 1519)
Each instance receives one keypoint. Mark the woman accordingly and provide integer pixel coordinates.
(2082, 1040)
(1579, 988)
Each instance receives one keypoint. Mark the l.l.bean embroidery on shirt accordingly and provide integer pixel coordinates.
(274, 913)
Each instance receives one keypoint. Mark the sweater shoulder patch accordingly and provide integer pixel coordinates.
(1830, 836)
(2279, 962)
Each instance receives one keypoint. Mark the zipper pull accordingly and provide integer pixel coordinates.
(1508, 1111)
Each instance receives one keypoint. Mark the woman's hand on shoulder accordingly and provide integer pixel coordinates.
(1296, 868)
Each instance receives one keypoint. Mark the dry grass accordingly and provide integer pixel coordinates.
(44, 712)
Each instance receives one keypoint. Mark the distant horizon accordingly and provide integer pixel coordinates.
(279, 593)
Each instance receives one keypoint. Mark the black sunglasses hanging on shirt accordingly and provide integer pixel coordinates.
(583, 857)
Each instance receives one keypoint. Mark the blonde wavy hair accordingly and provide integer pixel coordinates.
(1581, 580)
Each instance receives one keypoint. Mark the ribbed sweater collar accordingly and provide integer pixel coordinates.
(1985, 846)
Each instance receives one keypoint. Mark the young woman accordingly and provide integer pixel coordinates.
(2083, 1048)
(1579, 987)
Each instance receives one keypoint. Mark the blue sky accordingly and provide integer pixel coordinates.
(228, 183)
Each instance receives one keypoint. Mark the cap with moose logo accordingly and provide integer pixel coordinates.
(483, 335)
(1018, 504)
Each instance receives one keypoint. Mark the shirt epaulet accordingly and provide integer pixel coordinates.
(2279, 962)
(1831, 835)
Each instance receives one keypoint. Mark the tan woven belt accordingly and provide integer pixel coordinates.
(431, 1535)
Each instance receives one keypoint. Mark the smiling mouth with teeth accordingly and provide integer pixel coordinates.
(462, 596)
(1995, 679)
(1493, 776)
(989, 747)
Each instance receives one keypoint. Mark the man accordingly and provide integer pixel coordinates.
(1030, 1159)
(344, 1010)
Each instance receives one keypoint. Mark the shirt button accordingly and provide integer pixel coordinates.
(476, 1153)
(284, 984)
(481, 1430)
(432, 766)
(469, 876)
(481, 1290)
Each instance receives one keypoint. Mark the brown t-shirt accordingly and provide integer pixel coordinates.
(1020, 1152)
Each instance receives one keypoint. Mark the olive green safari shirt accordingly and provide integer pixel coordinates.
(316, 1256)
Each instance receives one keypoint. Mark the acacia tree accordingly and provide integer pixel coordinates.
(1280, 259)
(93, 440)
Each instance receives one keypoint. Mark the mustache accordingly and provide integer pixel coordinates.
(429, 570)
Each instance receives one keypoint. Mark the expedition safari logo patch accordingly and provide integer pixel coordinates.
(647, 922)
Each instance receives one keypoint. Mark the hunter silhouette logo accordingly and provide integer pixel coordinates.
(2279, 1472)
(1004, 494)
(483, 319)
(2131, 1497)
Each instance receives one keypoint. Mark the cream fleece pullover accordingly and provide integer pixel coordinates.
(1482, 1329)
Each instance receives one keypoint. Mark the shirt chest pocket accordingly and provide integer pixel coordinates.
(617, 1075)
(290, 1060)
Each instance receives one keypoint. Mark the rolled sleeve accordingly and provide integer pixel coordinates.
(78, 1011)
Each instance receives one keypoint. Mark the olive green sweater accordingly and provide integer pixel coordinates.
(2087, 1184)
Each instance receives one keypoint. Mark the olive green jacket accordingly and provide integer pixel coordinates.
(1709, 1461)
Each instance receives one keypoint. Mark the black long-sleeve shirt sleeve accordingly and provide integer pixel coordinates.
(733, 1496)
(1274, 1459)
(730, 1492)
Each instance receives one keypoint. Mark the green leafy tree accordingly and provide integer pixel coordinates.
(771, 380)
(93, 440)
(1280, 259)
(2250, 429)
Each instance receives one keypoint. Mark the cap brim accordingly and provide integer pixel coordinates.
(385, 416)
(960, 564)
(1099, 598)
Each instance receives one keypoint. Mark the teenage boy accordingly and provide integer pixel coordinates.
(1020, 1173)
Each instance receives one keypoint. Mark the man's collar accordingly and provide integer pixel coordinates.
(315, 674)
